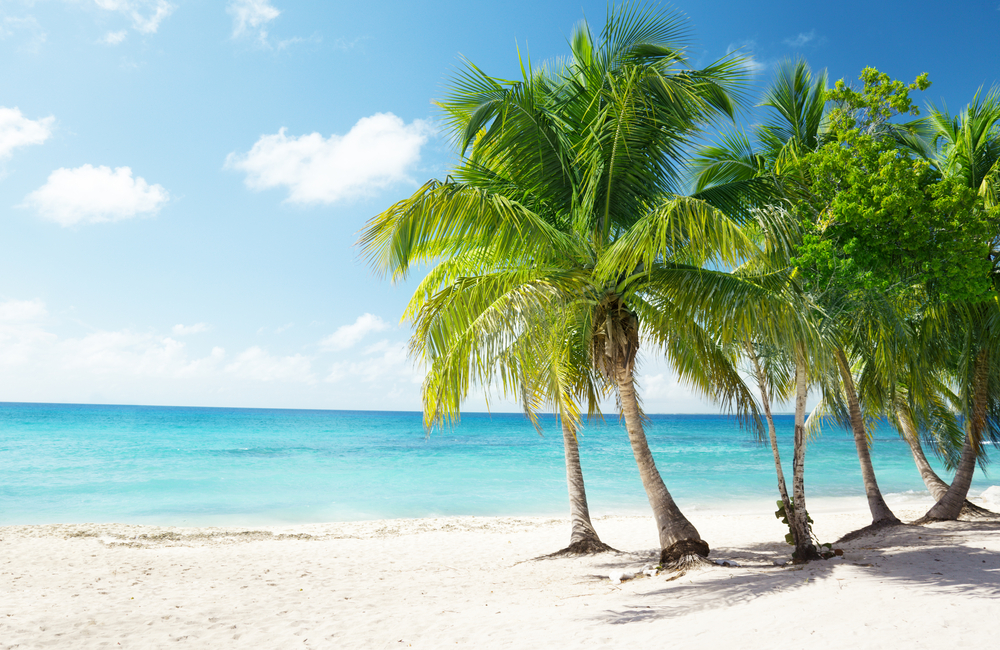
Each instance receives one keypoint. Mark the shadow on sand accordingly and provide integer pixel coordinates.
(937, 557)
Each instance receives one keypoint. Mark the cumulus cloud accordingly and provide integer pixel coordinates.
(258, 365)
(184, 330)
(250, 16)
(18, 131)
(377, 152)
(348, 336)
(802, 39)
(91, 194)
(146, 15)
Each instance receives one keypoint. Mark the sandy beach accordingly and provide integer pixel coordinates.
(475, 582)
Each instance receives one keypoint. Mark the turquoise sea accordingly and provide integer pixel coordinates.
(220, 466)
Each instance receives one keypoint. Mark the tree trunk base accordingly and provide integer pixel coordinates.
(590, 546)
(870, 530)
(806, 554)
(970, 511)
(685, 554)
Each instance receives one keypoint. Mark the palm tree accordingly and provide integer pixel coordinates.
(760, 311)
(568, 169)
(467, 333)
(966, 149)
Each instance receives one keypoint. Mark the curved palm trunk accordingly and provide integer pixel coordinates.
(583, 537)
(932, 481)
(804, 548)
(950, 505)
(671, 523)
(876, 504)
(765, 399)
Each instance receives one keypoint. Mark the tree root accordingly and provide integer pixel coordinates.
(685, 554)
(972, 511)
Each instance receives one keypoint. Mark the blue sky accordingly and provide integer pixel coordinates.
(182, 182)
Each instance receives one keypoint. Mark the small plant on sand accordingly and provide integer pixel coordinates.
(781, 514)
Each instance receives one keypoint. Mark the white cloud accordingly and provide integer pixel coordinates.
(18, 131)
(384, 364)
(348, 336)
(256, 364)
(377, 152)
(114, 38)
(185, 330)
(91, 194)
(27, 345)
(802, 39)
(146, 15)
(251, 16)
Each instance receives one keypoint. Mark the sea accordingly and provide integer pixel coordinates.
(76, 463)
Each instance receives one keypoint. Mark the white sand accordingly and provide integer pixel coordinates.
(471, 582)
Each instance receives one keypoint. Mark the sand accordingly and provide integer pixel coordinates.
(473, 582)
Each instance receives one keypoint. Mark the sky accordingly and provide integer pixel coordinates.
(182, 182)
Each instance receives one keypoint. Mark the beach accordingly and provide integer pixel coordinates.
(481, 582)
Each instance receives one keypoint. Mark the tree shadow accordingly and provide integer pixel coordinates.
(937, 558)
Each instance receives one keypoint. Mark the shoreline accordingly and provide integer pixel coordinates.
(911, 500)
(482, 582)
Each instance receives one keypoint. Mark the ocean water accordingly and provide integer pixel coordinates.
(219, 466)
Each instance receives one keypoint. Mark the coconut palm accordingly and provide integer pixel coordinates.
(759, 311)
(481, 331)
(966, 148)
(558, 169)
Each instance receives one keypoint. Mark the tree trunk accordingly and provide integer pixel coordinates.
(950, 505)
(799, 517)
(876, 504)
(671, 523)
(932, 481)
(583, 537)
(765, 399)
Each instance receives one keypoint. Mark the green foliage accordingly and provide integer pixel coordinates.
(878, 221)
(879, 100)
(782, 515)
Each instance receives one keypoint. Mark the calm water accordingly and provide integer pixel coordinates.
(201, 466)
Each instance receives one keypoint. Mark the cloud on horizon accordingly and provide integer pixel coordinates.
(128, 366)
(377, 152)
(41, 363)
(89, 194)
